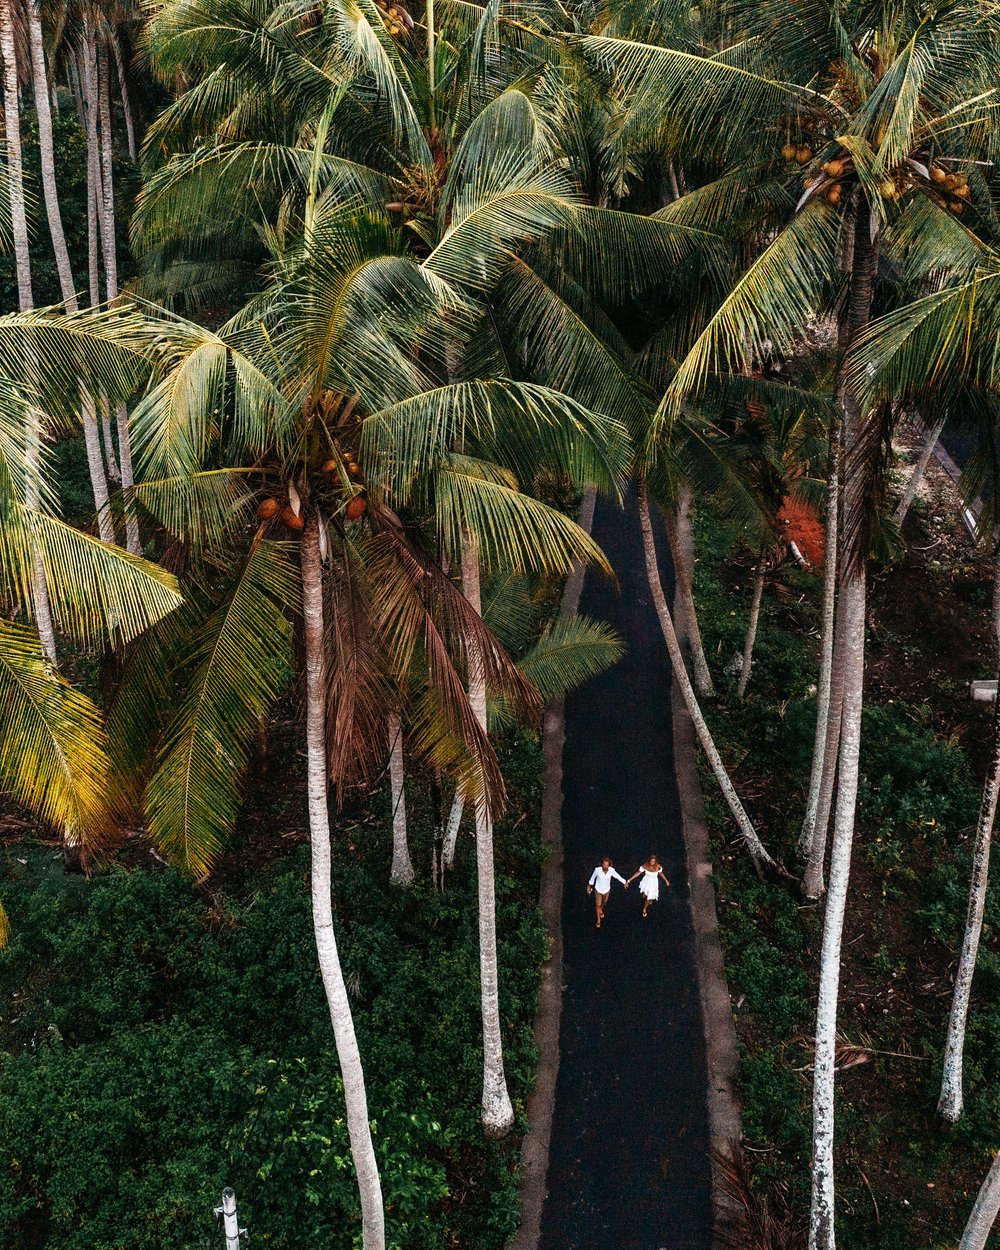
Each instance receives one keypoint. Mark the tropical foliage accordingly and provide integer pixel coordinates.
(376, 292)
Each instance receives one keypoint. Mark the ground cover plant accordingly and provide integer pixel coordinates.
(160, 1043)
(904, 1183)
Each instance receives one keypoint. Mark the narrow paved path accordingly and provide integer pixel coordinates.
(628, 1164)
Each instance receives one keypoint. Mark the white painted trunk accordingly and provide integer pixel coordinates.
(681, 539)
(452, 828)
(758, 594)
(401, 872)
(25, 298)
(498, 1114)
(95, 194)
(812, 878)
(827, 618)
(64, 267)
(109, 244)
(984, 1213)
(358, 1127)
(822, 1234)
(950, 1102)
(758, 854)
(917, 476)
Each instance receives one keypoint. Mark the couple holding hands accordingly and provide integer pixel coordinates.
(605, 872)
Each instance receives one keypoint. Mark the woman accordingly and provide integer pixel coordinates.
(649, 887)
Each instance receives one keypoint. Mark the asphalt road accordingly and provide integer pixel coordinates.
(628, 1164)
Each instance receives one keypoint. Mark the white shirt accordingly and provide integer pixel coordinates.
(601, 880)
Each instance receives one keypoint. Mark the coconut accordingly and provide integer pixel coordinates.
(356, 507)
(835, 169)
(788, 152)
(950, 182)
(963, 192)
(268, 508)
(888, 189)
(834, 193)
(803, 154)
(956, 207)
(330, 466)
(355, 471)
(937, 173)
(291, 520)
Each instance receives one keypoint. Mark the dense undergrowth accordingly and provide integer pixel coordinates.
(901, 1184)
(157, 1043)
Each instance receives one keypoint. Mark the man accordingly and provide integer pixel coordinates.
(600, 885)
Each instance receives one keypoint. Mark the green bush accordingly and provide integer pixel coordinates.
(156, 1047)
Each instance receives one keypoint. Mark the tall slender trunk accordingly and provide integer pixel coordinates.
(95, 195)
(751, 638)
(401, 872)
(50, 189)
(25, 298)
(498, 1114)
(358, 1127)
(451, 830)
(822, 1228)
(917, 476)
(812, 878)
(110, 250)
(681, 539)
(950, 1102)
(984, 1213)
(828, 612)
(758, 854)
(133, 150)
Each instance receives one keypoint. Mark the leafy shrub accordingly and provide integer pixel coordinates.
(156, 1047)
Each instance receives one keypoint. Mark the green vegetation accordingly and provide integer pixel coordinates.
(161, 1044)
(917, 803)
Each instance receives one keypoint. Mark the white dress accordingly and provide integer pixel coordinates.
(650, 883)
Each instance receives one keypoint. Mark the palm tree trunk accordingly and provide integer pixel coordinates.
(498, 1114)
(758, 594)
(828, 613)
(453, 826)
(812, 878)
(984, 1213)
(358, 1127)
(25, 297)
(402, 868)
(950, 1102)
(917, 476)
(758, 854)
(822, 1230)
(50, 189)
(133, 150)
(681, 541)
(110, 249)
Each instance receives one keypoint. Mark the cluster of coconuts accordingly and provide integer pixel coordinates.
(800, 153)
(951, 191)
(270, 508)
(357, 505)
(397, 19)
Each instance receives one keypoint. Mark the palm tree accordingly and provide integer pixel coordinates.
(984, 1212)
(40, 81)
(908, 353)
(19, 223)
(55, 758)
(828, 86)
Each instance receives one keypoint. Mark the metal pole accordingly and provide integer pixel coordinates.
(229, 1221)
